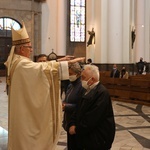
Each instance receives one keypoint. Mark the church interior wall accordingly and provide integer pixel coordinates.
(147, 31)
(120, 51)
(55, 30)
(126, 48)
(42, 19)
(104, 31)
(100, 22)
(61, 28)
(49, 20)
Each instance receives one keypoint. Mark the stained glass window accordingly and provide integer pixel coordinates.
(7, 23)
(77, 20)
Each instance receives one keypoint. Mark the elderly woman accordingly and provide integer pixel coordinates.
(72, 97)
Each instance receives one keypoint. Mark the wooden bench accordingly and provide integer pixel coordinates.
(109, 84)
(122, 87)
(140, 77)
(132, 89)
(140, 89)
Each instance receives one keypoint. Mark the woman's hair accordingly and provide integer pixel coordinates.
(75, 67)
(93, 70)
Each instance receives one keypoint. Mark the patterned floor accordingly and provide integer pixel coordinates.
(132, 125)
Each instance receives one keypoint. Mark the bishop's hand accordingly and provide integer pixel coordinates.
(71, 59)
(66, 58)
(79, 59)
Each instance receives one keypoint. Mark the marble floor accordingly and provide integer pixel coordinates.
(132, 125)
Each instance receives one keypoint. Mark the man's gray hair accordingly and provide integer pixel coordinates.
(17, 48)
(93, 70)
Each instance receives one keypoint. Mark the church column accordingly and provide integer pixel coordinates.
(115, 28)
(140, 27)
(61, 28)
(90, 23)
(132, 30)
(147, 31)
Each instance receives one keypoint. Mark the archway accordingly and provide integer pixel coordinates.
(6, 39)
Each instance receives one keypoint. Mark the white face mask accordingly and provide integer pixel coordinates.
(84, 84)
(72, 78)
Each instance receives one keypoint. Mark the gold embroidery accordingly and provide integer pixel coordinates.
(52, 74)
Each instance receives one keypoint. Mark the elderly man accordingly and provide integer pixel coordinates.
(115, 73)
(93, 123)
(34, 116)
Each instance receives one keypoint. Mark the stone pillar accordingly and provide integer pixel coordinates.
(132, 33)
(90, 50)
(147, 31)
(49, 26)
(140, 27)
(61, 27)
(115, 28)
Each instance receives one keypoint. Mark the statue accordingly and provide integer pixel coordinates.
(92, 37)
(133, 36)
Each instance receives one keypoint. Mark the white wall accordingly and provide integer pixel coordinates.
(90, 23)
(126, 48)
(111, 30)
(147, 31)
(54, 27)
(49, 21)
(102, 42)
(106, 50)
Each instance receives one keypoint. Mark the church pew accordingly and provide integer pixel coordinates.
(140, 96)
(122, 87)
(132, 89)
(140, 77)
(109, 84)
(140, 89)
(140, 85)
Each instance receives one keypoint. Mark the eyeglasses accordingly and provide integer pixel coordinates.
(27, 46)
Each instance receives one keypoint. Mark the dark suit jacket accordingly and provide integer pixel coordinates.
(94, 120)
(115, 74)
(140, 67)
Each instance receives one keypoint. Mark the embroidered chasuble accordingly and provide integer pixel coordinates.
(35, 109)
